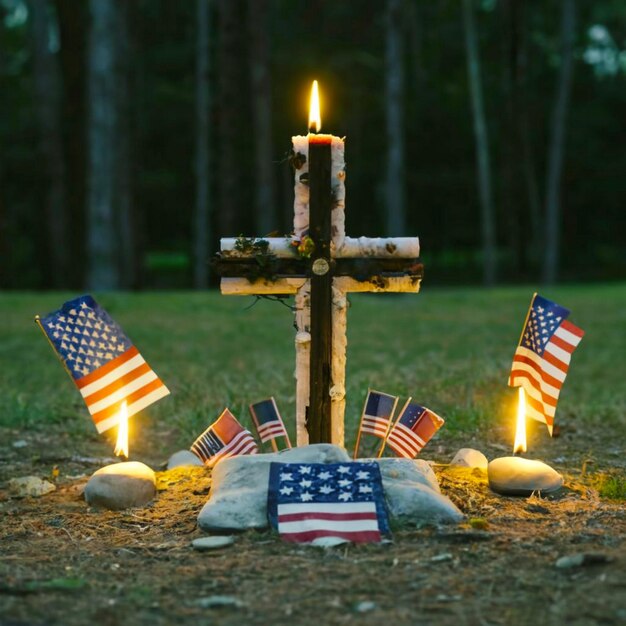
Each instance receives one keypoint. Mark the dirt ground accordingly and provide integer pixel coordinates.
(64, 563)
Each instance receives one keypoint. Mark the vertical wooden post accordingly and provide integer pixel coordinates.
(318, 415)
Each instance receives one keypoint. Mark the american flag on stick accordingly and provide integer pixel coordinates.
(268, 422)
(542, 357)
(307, 501)
(103, 363)
(377, 416)
(223, 438)
(413, 429)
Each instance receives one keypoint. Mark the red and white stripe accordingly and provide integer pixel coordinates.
(353, 521)
(125, 378)
(543, 377)
(270, 430)
(377, 426)
(404, 441)
(241, 443)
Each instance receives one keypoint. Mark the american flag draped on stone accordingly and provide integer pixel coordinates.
(541, 360)
(105, 366)
(307, 501)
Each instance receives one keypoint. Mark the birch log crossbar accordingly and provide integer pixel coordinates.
(338, 265)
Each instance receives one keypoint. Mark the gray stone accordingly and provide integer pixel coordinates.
(29, 486)
(407, 470)
(468, 457)
(582, 558)
(514, 476)
(20, 443)
(212, 543)
(238, 498)
(412, 502)
(184, 458)
(215, 602)
(121, 486)
(365, 606)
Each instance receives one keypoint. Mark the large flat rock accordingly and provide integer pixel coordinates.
(238, 499)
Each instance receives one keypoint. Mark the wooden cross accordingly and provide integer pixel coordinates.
(320, 283)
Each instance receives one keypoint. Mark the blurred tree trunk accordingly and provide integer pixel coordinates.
(261, 88)
(524, 131)
(123, 178)
(72, 21)
(231, 125)
(104, 149)
(203, 138)
(557, 144)
(5, 239)
(416, 46)
(482, 146)
(394, 84)
(47, 101)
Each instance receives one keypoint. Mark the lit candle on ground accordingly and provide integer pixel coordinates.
(121, 446)
(515, 476)
(121, 485)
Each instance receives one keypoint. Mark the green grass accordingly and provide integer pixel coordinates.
(449, 349)
(611, 486)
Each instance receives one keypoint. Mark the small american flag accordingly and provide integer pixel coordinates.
(377, 414)
(105, 366)
(267, 420)
(311, 500)
(223, 438)
(413, 430)
(542, 358)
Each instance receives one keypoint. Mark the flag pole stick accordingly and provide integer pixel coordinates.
(397, 420)
(45, 334)
(382, 447)
(358, 435)
(286, 436)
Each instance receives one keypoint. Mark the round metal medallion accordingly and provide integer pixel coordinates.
(320, 267)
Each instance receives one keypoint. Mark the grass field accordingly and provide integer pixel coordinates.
(64, 563)
(449, 349)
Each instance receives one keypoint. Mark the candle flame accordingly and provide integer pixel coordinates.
(315, 119)
(121, 447)
(520, 431)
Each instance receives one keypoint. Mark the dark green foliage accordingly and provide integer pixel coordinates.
(342, 45)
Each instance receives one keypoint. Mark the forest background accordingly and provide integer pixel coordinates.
(133, 135)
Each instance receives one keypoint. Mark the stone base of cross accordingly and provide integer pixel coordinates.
(272, 267)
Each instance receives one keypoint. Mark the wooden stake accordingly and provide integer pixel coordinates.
(358, 435)
(382, 447)
(392, 427)
(318, 415)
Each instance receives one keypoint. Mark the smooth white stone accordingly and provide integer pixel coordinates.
(468, 457)
(121, 486)
(184, 458)
(328, 542)
(213, 542)
(512, 475)
(29, 486)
